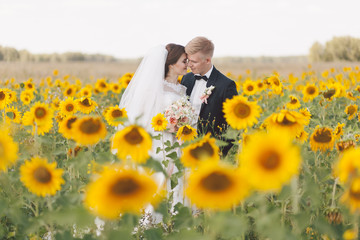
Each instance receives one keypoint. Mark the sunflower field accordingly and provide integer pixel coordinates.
(74, 167)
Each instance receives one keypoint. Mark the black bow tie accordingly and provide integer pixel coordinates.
(198, 77)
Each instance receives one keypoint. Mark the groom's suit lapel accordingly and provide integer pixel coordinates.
(210, 82)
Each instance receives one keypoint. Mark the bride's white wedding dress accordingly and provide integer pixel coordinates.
(147, 95)
(172, 92)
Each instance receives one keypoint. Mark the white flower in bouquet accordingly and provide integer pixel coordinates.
(180, 113)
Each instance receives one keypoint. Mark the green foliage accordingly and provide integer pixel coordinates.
(339, 48)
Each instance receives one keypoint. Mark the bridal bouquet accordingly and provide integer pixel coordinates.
(180, 113)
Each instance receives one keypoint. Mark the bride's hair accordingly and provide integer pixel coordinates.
(174, 53)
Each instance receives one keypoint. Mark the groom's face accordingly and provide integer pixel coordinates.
(199, 63)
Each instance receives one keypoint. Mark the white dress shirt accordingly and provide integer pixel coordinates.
(197, 91)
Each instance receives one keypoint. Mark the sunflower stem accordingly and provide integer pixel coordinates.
(333, 205)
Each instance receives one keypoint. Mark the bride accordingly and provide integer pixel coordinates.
(153, 88)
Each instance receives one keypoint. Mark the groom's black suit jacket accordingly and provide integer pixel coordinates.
(211, 117)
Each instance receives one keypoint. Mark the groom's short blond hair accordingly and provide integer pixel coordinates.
(200, 44)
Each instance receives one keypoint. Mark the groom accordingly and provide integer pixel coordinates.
(211, 117)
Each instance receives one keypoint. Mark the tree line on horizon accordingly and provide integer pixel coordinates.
(10, 54)
(337, 49)
(344, 48)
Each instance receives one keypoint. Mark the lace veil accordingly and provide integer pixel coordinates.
(143, 97)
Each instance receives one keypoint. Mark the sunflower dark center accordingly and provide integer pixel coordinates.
(2, 95)
(242, 110)
(30, 85)
(287, 122)
(293, 101)
(351, 110)
(133, 137)
(276, 82)
(69, 107)
(116, 113)
(103, 85)
(159, 122)
(250, 88)
(355, 194)
(311, 90)
(260, 85)
(70, 122)
(270, 160)
(40, 112)
(186, 131)
(323, 136)
(125, 186)
(216, 182)
(116, 87)
(329, 93)
(69, 91)
(90, 126)
(204, 150)
(85, 102)
(42, 175)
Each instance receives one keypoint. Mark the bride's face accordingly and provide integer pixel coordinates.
(180, 67)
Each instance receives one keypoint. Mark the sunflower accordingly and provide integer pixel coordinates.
(85, 92)
(275, 83)
(306, 113)
(132, 141)
(260, 85)
(159, 122)
(333, 91)
(66, 126)
(86, 105)
(70, 91)
(348, 166)
(351, 110)
(310, 91)
(270, 160)
(119, 190)
(249, 87)
(25, 100)
(102, 85)
(4, 98)
(203, 150)
(302, 136)
(240, 113)
(55, 104)
(12, 114)
(291, 121)
(338, 132)
(114, 115)
(12, 95)
(68, 107)
(8, 150)
(41, 113)
(115, 87)
(351, 196)
(216, 186)
(294, 103)
(29, 85)
(186, 133)
(88, 130)
(322, 139)
(345, 145)
(26, 96)
(38, 128)
(40, 177)
(125, 79)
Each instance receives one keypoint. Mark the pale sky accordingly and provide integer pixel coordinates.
(128, 28)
